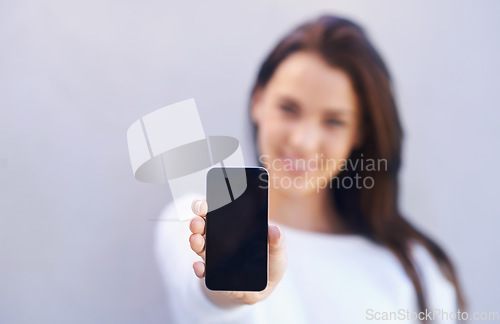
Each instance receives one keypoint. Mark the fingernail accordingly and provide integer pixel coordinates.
(276, 231)
(197, 206)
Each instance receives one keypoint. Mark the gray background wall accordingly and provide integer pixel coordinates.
(76, 229)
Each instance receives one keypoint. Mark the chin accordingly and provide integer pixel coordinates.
(299, 193)
(293, 184)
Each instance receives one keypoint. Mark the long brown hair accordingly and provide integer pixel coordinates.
(372, 212)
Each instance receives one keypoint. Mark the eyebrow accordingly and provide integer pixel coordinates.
(332, 111)
(338, 112)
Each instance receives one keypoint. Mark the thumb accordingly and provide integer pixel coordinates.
(277, 254)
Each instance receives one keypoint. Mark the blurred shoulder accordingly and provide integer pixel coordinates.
(438, 290)
(172, 235)
(173, 223)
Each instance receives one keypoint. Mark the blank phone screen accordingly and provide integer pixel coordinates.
(236, 257)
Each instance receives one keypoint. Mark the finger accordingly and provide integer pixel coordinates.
(277, 254)
(274, 236)
(199, 207)
(199, 269)
(197, 225)
(197, 243)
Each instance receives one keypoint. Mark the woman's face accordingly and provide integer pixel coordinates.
(308, 123)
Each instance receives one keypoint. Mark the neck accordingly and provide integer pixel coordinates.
(314, 212)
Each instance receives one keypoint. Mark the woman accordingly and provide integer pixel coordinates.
(326, 128)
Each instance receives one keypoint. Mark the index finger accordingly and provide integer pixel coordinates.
(199, 207)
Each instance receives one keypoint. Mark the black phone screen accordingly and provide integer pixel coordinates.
(236, 249)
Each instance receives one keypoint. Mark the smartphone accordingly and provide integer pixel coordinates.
(236, 243)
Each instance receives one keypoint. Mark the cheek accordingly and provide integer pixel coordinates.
(337, 150)
(272, 133)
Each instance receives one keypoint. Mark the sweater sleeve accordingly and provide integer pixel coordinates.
(187, 302)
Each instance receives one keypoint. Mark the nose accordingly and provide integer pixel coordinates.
(306, 138)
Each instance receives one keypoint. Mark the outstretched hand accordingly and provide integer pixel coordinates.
(277, 260)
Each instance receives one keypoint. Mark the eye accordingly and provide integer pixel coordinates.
(288, 109)
(334, 122)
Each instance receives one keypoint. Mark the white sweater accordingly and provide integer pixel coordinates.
(329, 279)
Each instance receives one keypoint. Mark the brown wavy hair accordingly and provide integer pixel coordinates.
(373, 212)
